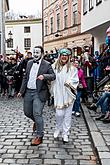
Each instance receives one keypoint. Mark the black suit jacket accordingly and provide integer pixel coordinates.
(46, 70)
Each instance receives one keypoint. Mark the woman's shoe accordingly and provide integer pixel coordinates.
(65, 138)
(56, 133)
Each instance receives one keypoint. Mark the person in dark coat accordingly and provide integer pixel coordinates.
(34, 88)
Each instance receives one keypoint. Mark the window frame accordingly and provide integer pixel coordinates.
(98, 2)
(65, 18)
(75, 13)
(46, 27)
(58, 21)
(90, 5)
(27, 43)
(85, 5)
(28, 29)
(10, 43)
(51, 25)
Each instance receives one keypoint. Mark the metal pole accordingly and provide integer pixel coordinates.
(42, 24)
(2, 26)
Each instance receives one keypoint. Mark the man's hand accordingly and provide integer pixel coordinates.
(19, 94)
(40, 77)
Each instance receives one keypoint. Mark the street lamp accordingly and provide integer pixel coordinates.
(10, 34)
(9, 37)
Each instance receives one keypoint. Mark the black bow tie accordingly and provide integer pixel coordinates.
(35, 61)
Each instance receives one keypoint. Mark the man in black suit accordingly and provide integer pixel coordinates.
(34, 88)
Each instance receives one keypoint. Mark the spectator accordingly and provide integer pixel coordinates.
(103, 102)
(82, 85)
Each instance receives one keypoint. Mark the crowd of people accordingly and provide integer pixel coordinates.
(59, 77)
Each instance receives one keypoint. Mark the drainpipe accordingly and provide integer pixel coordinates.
(42, 24)
(2, 27)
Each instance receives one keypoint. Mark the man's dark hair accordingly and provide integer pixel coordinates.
(41, 48)
(29, 53)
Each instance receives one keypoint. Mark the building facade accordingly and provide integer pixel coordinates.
(95, 20)
(62, 25)
(26, 33)
(4, 7)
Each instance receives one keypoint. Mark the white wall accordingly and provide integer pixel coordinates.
(37, 35)
(97, 16)
(19, 35)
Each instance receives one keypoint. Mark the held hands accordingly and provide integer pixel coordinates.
(40, 77)
(19, 94)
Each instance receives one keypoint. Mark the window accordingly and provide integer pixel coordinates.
(90, 4)
(98, 2)
(65, 18)
(64, 2)
(27, 43)
(27, 29)
(85, 6)
(75, 14)
(46, 27)
(58, 21)
(51, 25)
(10, 43)
(45, 3)
(51, 1)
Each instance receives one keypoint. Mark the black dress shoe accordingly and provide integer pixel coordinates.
(100, 117)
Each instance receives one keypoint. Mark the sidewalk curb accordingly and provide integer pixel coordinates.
(100, 146)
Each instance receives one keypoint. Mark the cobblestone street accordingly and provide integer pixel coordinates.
(16, 135)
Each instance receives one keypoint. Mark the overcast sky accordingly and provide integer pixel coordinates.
(26, 6)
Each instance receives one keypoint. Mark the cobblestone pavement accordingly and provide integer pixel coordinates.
(100, 134)
(16, 135)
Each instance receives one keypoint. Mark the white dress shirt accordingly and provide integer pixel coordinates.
(33, 75)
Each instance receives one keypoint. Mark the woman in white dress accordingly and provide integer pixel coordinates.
(63, 100)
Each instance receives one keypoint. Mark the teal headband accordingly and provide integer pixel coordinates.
(64, 52)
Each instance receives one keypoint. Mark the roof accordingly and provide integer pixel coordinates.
(23, 21)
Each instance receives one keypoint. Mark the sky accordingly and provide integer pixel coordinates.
(26, 7)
